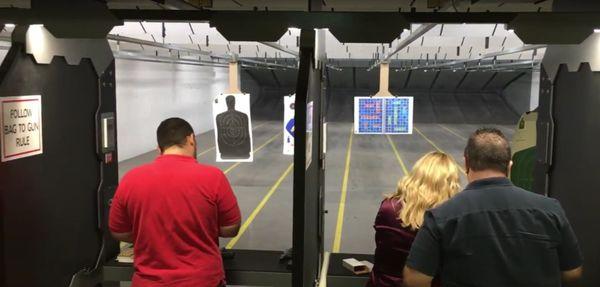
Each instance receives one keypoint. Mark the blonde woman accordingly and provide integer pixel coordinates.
(433, 180)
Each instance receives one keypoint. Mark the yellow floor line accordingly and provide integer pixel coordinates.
(452, 132)
(256, 127)
(324, 270)
(337, 240)
(206, 151)
(213, 147)
(233, 166)
(404, 169)
(259, 207)
(436, 147)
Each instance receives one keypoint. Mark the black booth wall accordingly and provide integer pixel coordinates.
(49, 212)
(575, 163)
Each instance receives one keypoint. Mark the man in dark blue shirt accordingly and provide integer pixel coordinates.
(494, 233)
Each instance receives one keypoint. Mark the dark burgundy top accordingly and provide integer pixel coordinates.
(393, 245)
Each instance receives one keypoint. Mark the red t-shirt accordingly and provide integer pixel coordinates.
(174, 208)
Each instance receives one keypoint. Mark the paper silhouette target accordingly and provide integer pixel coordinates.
(233, 128)
(289, 126)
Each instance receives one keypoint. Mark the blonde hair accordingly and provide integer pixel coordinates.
(432, 180)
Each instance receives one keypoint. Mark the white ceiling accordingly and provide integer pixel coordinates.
(436, 43)
(337, 5)
(440, 42)
(350, 5)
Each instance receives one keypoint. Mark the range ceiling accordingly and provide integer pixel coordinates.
(328, 5)
(350, 5)
(444, 42)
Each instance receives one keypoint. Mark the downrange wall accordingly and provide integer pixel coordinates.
(440, 97)
(267, 89)
(148, 93)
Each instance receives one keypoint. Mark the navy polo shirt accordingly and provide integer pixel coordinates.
(496, 234)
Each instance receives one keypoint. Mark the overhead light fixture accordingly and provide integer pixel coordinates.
(511, 31)
(9, 25)
(596, 30)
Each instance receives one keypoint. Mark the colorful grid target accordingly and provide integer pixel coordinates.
(397, 116)
(370, 116)
(383, 115)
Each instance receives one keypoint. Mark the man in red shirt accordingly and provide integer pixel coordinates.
(174, 210)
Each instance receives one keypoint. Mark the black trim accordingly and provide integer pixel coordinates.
(306, 54)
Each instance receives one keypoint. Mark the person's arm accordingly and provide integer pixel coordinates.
(125, 237)
(414, 278)
(119, 222)
(230, 218)
(424, 258)
(569, 254)
(230, 230)
(571, 276)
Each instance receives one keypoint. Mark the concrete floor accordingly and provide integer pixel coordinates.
(373, 172)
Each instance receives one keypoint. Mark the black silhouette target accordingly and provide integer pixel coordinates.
(233, 129)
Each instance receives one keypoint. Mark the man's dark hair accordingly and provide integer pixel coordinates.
(488, 149)
(172, 132)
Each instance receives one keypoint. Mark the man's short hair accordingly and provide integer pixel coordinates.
(488, 149)
(171, 132)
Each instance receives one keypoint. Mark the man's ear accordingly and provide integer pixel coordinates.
(159, 150)
(510, 165)
(191, 139)
(466, 164)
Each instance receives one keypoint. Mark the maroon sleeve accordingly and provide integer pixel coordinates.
(228, 209)
(119, 221)
(387, 215)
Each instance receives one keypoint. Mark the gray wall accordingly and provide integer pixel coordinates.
(444, 97)
(518, 94)
(148, 93)
(2, 55)
(267, 89)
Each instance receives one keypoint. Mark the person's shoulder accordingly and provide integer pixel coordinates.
(390, 205)
(541, 201)
(137, 173)
(208, 170)
(453, 203)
